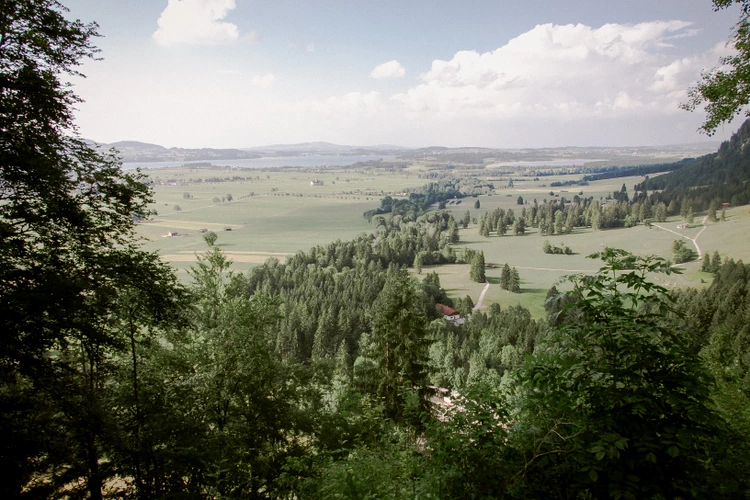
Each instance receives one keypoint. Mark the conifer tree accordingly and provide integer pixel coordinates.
(477, 268)
(505, 277)
(514, 283)
(399, 340)
(715, 262)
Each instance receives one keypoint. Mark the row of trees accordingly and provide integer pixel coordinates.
(563, 249)
(562, 216)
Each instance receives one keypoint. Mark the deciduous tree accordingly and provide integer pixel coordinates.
(725, 91)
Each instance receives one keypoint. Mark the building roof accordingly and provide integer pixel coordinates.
(445, 310)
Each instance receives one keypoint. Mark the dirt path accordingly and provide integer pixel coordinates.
(481, 296)
(694, 240)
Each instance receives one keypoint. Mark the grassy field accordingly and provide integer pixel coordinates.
(274, 214)
(730, 238)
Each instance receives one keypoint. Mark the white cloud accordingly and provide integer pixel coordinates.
(390, 69)
(310, 47)
(251, 37)
(196, 22)
(553, 85)
(263, 81)
(559, 71)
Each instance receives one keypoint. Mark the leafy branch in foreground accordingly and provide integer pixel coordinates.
(726, 90)
(615, 403)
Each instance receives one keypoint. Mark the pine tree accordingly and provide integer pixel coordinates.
(468, 304)
(505, 277)
(399, 340)
(326, 337)
(514, 283)
(715, 262)
(713, 206)
(477, 268)
(502, 227)
(418, 262)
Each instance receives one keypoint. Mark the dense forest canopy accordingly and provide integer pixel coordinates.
(333, 374)
(722, 177)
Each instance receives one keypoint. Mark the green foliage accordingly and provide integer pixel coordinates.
(74, 284)
(561, 250)
(419, 201)
(469, 452)
(725, 91)
(482, 350)
(514, 282)
(399, 340)
(477, 268)
(616, 404)
(682, 253)
(718, 177)
(505, 277)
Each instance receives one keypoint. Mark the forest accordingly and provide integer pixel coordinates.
(719, 177)
(332, 375)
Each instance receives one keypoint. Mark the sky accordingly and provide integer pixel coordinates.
(490, 73)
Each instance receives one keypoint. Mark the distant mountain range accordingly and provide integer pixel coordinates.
(327, 148)
(138, 152)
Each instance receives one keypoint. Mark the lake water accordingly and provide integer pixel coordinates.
(573, 162)
(310, 161)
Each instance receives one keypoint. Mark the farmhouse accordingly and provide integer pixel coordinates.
(450, 314)
(316, 182)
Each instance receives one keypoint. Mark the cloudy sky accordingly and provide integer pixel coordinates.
(495, 73)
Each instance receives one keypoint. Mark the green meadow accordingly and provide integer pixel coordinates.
(276, 213)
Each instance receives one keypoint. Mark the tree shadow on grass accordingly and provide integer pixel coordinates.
(493, 280)
(534, 290)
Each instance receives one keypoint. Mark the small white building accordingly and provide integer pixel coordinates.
(450, 314)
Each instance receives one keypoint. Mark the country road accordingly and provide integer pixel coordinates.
(481, 297)
(694, 240)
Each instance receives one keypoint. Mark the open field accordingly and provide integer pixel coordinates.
(276, 213)
(539, 271)
(272, 213)
(730, 238)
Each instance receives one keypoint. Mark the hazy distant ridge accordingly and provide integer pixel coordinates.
(326, 148)
(135, 151)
